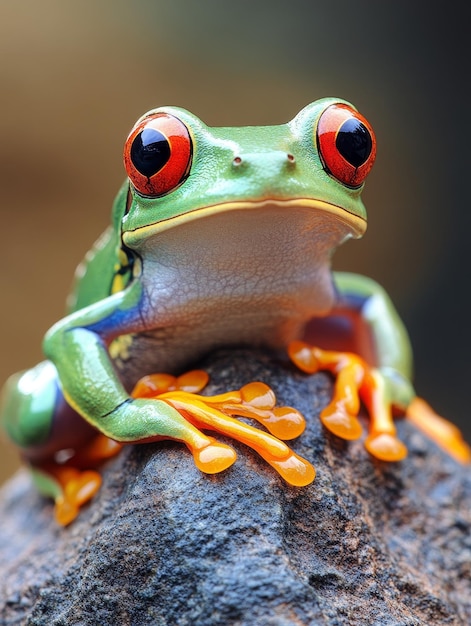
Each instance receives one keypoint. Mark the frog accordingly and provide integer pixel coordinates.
(220, 237)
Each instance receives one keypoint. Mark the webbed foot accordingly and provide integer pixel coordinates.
(357, 381)
(255, 400)
(69, 487)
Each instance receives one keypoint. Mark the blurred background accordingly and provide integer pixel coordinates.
(75, 76)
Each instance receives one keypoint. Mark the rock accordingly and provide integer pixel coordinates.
(162, 544)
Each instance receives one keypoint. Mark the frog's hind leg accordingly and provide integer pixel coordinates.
(49, 432)
(28, 405)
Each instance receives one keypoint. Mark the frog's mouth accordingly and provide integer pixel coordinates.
(350, 224)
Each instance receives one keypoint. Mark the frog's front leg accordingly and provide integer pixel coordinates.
(378, 372)
(78, 348)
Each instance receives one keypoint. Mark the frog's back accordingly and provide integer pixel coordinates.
(94, 276)
(100, 272)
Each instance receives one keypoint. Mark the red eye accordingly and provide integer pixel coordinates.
(157, 154)
(347, 145)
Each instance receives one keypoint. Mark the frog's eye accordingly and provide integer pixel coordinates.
(157, 154)
(346, 144)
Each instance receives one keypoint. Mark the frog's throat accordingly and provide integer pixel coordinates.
(355, 224)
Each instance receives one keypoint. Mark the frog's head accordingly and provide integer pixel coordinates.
(181, 171)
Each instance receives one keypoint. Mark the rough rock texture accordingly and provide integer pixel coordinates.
(161, 544)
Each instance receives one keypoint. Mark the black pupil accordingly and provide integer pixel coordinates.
(150, 151)
(354, 142)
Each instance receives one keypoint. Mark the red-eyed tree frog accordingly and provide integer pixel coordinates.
(219, 237)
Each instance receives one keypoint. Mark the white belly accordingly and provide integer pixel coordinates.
(233, 278)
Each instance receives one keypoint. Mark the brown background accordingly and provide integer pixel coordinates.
(75, 76)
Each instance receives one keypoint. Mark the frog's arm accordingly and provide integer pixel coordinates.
(376, 369)
(378, 322)
(77, 347)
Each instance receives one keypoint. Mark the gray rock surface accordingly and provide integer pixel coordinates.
(162, 544)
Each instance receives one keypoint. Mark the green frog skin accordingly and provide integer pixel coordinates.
(219, 237)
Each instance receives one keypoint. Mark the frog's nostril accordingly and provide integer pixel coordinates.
(278, 159)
